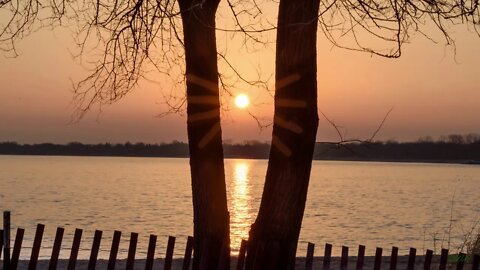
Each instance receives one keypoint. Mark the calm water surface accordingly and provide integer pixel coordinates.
(349, 203)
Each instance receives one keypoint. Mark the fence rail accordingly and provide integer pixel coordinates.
(11, 257)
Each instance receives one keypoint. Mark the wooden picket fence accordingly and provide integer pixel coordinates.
(377, 265)
(10, 261)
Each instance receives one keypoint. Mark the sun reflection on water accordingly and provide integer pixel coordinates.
(241, 215)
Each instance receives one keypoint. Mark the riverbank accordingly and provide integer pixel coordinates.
(422, 152)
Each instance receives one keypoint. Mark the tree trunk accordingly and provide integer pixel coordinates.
(210, 212)
(274, 235)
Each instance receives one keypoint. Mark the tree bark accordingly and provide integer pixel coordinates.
(210, 211)
(274, 235)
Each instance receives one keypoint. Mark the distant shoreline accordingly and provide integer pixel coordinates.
(459, 162)
(416, 152)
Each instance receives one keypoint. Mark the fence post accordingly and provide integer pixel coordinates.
(169, 254)
(112, 259)
(37, 242)
(443, 259)
(57, 245)
(428, 260)
(393, 258)
(75, 247)
(411, 259)
(131, 251)
(309, 259)
(188, 253)
(97, 238)
(17, 246)
(152, 242)
(360, 257)
(327, 257)
(6, 240)
(378, 259)
(344, 258)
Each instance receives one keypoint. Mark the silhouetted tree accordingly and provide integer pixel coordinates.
(274, 235)
(135, 35)
(210, 212)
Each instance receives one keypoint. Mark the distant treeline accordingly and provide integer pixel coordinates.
(452, 148)
(401, 152)
(174, 149)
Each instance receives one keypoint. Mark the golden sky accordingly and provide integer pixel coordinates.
(432, 91)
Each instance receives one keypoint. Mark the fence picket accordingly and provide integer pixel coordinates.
(393, 258)
(443, 259)
(360, 257)
(169, 254)
(112, 259)
(37, 241)
(327, 258)
(17, 246)
(378, 259)
(344, 258)
(152, 242)
(132, 248)
(72, 261)
(97, 238)
(309, 258)
(411, 259)
(188, 253)
(12, 263)
(6, 239)
(57, 245)
(428, 260)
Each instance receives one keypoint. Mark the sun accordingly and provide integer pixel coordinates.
(242, 101)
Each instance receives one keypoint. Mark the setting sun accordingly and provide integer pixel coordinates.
(242, 101)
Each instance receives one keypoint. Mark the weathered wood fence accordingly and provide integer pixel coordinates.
(460, 259)
(10, 260)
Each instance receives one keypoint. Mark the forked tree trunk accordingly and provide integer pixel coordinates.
(211, 218)
(274, 235)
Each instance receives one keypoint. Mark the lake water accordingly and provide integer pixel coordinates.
(349, 203)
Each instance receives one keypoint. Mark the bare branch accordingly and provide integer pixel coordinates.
(342, 142)
(380, 126)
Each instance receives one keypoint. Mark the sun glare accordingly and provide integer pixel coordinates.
(242, 101)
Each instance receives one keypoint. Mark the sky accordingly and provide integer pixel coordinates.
(431, 89)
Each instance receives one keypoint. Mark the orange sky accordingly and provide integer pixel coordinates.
(431, 92)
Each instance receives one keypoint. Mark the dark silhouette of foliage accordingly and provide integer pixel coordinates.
(421, 151)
